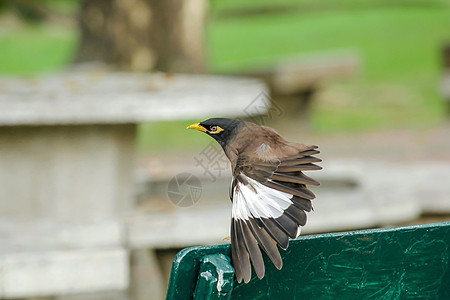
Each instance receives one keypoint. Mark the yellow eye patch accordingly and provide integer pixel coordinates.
(215, 129)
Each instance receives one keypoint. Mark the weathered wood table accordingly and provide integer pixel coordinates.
(67, 143)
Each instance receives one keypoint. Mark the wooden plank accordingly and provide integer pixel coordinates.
(405, 262)
(180, 228)
(114, 295)
(38, 273)
(48, 235)
(296, 76)
(376, 198)
(114, 97)
(303, 73)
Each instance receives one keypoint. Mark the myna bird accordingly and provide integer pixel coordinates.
(268, 190)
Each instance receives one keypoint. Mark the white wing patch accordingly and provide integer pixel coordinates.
(255, 200)
(299, 231)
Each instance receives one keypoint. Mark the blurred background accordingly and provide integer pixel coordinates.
(100, 182)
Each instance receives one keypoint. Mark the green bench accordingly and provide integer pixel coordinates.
(394, 263)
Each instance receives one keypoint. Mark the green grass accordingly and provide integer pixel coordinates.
(230, 7)
(36, 49)
(171, 138)
(393, 42)
(400, 47)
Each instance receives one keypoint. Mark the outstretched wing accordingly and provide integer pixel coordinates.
(270, 201)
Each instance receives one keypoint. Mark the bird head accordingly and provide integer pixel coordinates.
(221, 129)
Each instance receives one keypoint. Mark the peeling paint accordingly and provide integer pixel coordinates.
(207, 275)
(220, 280)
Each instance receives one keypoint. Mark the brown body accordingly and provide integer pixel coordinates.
(269, 193)
(261, 143)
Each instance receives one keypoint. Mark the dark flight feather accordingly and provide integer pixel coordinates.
(252, 248)
(266, 243)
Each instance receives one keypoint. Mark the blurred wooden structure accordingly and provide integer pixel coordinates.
(293, 82)
(445, 83)
(393, 263)
(349, 198)
(67, 143)
(407, 192)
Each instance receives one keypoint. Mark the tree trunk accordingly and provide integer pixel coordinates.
(144, 35)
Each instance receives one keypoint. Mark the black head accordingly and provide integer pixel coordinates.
(221, 129)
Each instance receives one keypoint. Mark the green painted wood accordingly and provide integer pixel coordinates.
(215, 278)
(395, 263)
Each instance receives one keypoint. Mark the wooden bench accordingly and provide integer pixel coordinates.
(294, 81)
(67, 143)
(393, 263)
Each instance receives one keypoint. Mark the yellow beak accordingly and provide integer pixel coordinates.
(197, 126)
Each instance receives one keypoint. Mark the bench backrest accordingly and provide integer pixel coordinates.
(406, 262)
